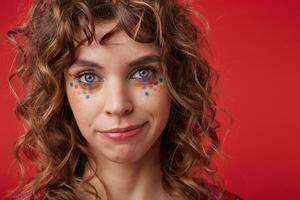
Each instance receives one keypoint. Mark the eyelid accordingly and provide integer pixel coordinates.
(82, 73)
(78, 74)
(147, 67)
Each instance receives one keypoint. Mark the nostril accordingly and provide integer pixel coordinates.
(120, 109)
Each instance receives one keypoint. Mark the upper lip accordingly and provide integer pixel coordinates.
(124, 129)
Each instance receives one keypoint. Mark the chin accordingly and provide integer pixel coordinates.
(123, 155)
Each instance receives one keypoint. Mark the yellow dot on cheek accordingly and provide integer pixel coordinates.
(97, 88)
(136, 83)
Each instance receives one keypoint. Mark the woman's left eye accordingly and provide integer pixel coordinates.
(143, 73)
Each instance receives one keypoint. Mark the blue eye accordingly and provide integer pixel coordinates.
(87, 77)
(140, 73)
(143, 73)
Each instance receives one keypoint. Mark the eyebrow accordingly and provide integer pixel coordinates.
(139, 61)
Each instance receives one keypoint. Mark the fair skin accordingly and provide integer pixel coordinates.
(112, 94)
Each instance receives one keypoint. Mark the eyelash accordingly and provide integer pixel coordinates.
(85, 73)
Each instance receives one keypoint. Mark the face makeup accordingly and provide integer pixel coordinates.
(150, 84)
(147, 83)
(87, 90)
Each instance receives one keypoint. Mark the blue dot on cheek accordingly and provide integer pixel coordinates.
(71, 84)
(87, 96)
(147, 93)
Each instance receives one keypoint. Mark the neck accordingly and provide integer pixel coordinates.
(132, 181)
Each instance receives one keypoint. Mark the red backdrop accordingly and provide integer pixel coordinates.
(255, 47)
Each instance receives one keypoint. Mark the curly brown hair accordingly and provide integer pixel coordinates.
(52, 141)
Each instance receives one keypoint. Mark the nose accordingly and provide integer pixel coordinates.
(118, 100)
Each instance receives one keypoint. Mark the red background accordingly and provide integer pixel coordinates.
(255, 47)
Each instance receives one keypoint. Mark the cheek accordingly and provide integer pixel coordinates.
(150, 86)
(82, 102)
(83, 90)
(152, 96)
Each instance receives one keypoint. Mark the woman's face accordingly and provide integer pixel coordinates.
(116, 85)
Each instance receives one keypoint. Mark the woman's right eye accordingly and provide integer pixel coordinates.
(87, 77)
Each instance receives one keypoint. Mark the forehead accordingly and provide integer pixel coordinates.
(118, 51)
(103, 29)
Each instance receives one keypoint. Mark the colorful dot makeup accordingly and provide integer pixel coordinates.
(149, 85)
(87, 90)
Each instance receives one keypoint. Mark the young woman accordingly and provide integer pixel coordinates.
(118, 103)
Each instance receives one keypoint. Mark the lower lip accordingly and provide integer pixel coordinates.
(124, 135)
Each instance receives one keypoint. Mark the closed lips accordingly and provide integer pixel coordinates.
(123, 130)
